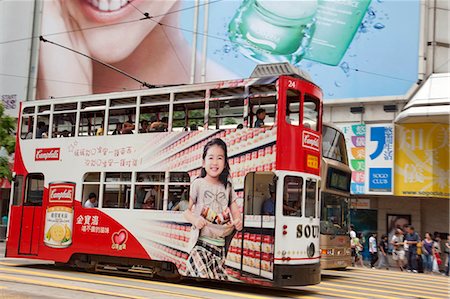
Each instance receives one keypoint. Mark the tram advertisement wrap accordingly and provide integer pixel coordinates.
(59, 215)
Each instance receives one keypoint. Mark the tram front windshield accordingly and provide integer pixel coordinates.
(334, 218)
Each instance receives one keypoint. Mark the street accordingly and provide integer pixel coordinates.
(38, 279)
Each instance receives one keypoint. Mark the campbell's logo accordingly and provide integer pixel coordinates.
(61, 193)
(311, 141)
(47, 154)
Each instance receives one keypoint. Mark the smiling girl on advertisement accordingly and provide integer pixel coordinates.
(214, 211)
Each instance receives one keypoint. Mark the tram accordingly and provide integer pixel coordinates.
(335, 201)
(100, 180)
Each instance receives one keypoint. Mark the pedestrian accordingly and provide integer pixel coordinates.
(373, 250)
(427, 253)
(437, 261)
(358, 249)
(383, 253)
(352, 244)
(398, 254)
(447, 250)
(411, 240)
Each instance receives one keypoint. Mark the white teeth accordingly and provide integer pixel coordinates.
(104, 5)
(108, 5)
(114, 5)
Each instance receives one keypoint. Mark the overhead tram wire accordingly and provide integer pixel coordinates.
(148, 17)
(145, 84)
(53, 80)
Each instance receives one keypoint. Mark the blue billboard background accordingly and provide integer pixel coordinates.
(381, 60)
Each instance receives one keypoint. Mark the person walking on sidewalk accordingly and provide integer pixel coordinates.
(383, 253)
(398, 255)
(373, 250)
(411, 240)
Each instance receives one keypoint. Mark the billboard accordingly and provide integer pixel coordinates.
(352, 49)
(379, 158)
(422, 160)
(355, 139)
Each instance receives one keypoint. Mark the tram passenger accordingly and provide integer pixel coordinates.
(144, 126)
(140, 194)
(91, 202)
(128, 128)
(41, 129)
(260, 116)
(118, 129)
(213, 210)
(160, 126)
(268, 207)
(150, 199)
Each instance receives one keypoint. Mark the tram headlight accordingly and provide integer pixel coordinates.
(311, 250)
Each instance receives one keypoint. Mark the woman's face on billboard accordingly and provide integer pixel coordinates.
(113, 43)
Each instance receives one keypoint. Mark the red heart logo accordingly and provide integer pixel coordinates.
(119, 237)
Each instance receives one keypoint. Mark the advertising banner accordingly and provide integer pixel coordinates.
(351, 48)
(355, 139)
(422, 160)
(379, 159)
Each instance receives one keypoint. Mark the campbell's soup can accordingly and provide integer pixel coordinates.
(59, 215)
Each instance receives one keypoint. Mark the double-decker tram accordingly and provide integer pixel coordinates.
(335, 195)
(214, 180)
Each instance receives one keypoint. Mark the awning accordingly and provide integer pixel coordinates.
(431, 103)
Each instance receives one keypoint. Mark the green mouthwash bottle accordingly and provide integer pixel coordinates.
(336, 25)
(273, 31)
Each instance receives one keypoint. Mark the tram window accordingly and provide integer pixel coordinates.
(225, 114)
(91, 184)
(176, 177)
(178, 199)
(64, 125)
(92, 177)
(18, 190)
(269, 104)
(65, 107)
(260, 193)
(34, 189)
(311, 112)
(42, 126)
(333, 144)
(310, 199)
(292, 197)
(91, 122)
(149, 197)
(188, 117)
(151, 176)
(26, 127)
(121, 121)
(293, 107)
(156, 116)
(116, 196)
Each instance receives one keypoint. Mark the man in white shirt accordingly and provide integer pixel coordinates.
(91, 202)
(352, 243)
(373, 250)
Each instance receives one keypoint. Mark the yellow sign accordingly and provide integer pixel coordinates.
(312, 161)
(422, 160)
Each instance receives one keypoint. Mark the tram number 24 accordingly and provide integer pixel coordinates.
(307, 231)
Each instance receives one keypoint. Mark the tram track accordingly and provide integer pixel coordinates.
(21, 279)
(189, 289)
